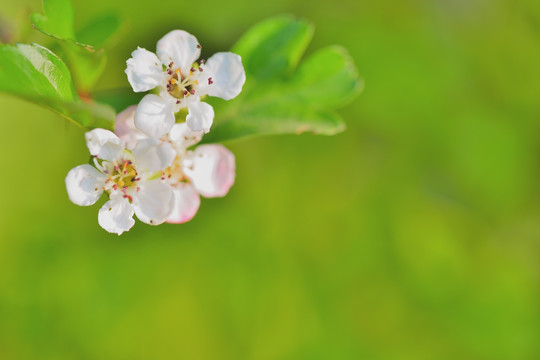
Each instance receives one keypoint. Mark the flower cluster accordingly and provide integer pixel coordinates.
(149, 166)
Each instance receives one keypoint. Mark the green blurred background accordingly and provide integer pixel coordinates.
(412, 235)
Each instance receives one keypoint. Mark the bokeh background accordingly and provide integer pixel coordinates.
(415, 234)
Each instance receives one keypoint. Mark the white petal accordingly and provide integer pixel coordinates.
(104, 144)
(227, 73)
(144, 70)
(186, 204)
(183, 137)
(84, 185)
(124, 128)
(211, 169)
(200, 116)
(179, 47)
(153, 202)
(153, 155)
(116, 215)
(154, 115)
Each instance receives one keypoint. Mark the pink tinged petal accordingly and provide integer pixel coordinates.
(124, 127)
(153, 155)
(84, 185)
(154, 115)
(153, 202)
(104, 144)
(116, 215)
(212, 170)
(183, 137)
(186, 204)
(144, 70)
(200, 116)
(223, 76)
(179, 47)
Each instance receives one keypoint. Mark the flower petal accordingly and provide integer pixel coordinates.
(186, 204)
(153, 202)
(144, 70)
(183, 137)
(124, 128)
(200, 115)
(153, 155)
(154, 115)
(116, 215)
(104, 144)
(180, 47)
(227, 73)
(84, 185)
(211, 168)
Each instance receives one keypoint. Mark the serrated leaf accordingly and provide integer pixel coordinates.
(274, 46)
(57, 19)
(34, 73)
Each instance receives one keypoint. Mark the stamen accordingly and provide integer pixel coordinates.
(171, 64)
(192, 92)
(199, 46)
(177, 102)
(200, 69)
(203, 61)
(169, 71)
(210, 81)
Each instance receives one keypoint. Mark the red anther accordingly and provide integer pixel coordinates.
(199, 46)
(128, 197)
(200, 68)
(169, 71)
(115, 187)
(192, 92)
(171, 64)
(192, 69)
(210, 81)
(185, 92)
(202, 61)
(177, 102)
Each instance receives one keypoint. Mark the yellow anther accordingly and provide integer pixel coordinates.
(196, 82)
(120, 183)
(173, 81)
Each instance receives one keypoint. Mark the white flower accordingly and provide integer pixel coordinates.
(181, 82)
(208, 170)
(131, 179)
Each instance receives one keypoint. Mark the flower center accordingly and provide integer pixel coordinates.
(122, 176)
(182, 85)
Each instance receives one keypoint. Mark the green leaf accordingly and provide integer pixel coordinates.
(328, 76)
(33, 72)
(119, 99)
(57, 20)
(82, 52)
(274, 46)
(272, 120)
(280, 96)
(102, 31)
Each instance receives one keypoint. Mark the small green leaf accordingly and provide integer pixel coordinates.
(57, 20)
(34, 73)
(274, 46)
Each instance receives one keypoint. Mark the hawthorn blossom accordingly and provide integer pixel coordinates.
(181, 82)
(131, 179)
(208, 170)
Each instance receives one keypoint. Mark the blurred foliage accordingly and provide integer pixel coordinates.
(412, 235)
